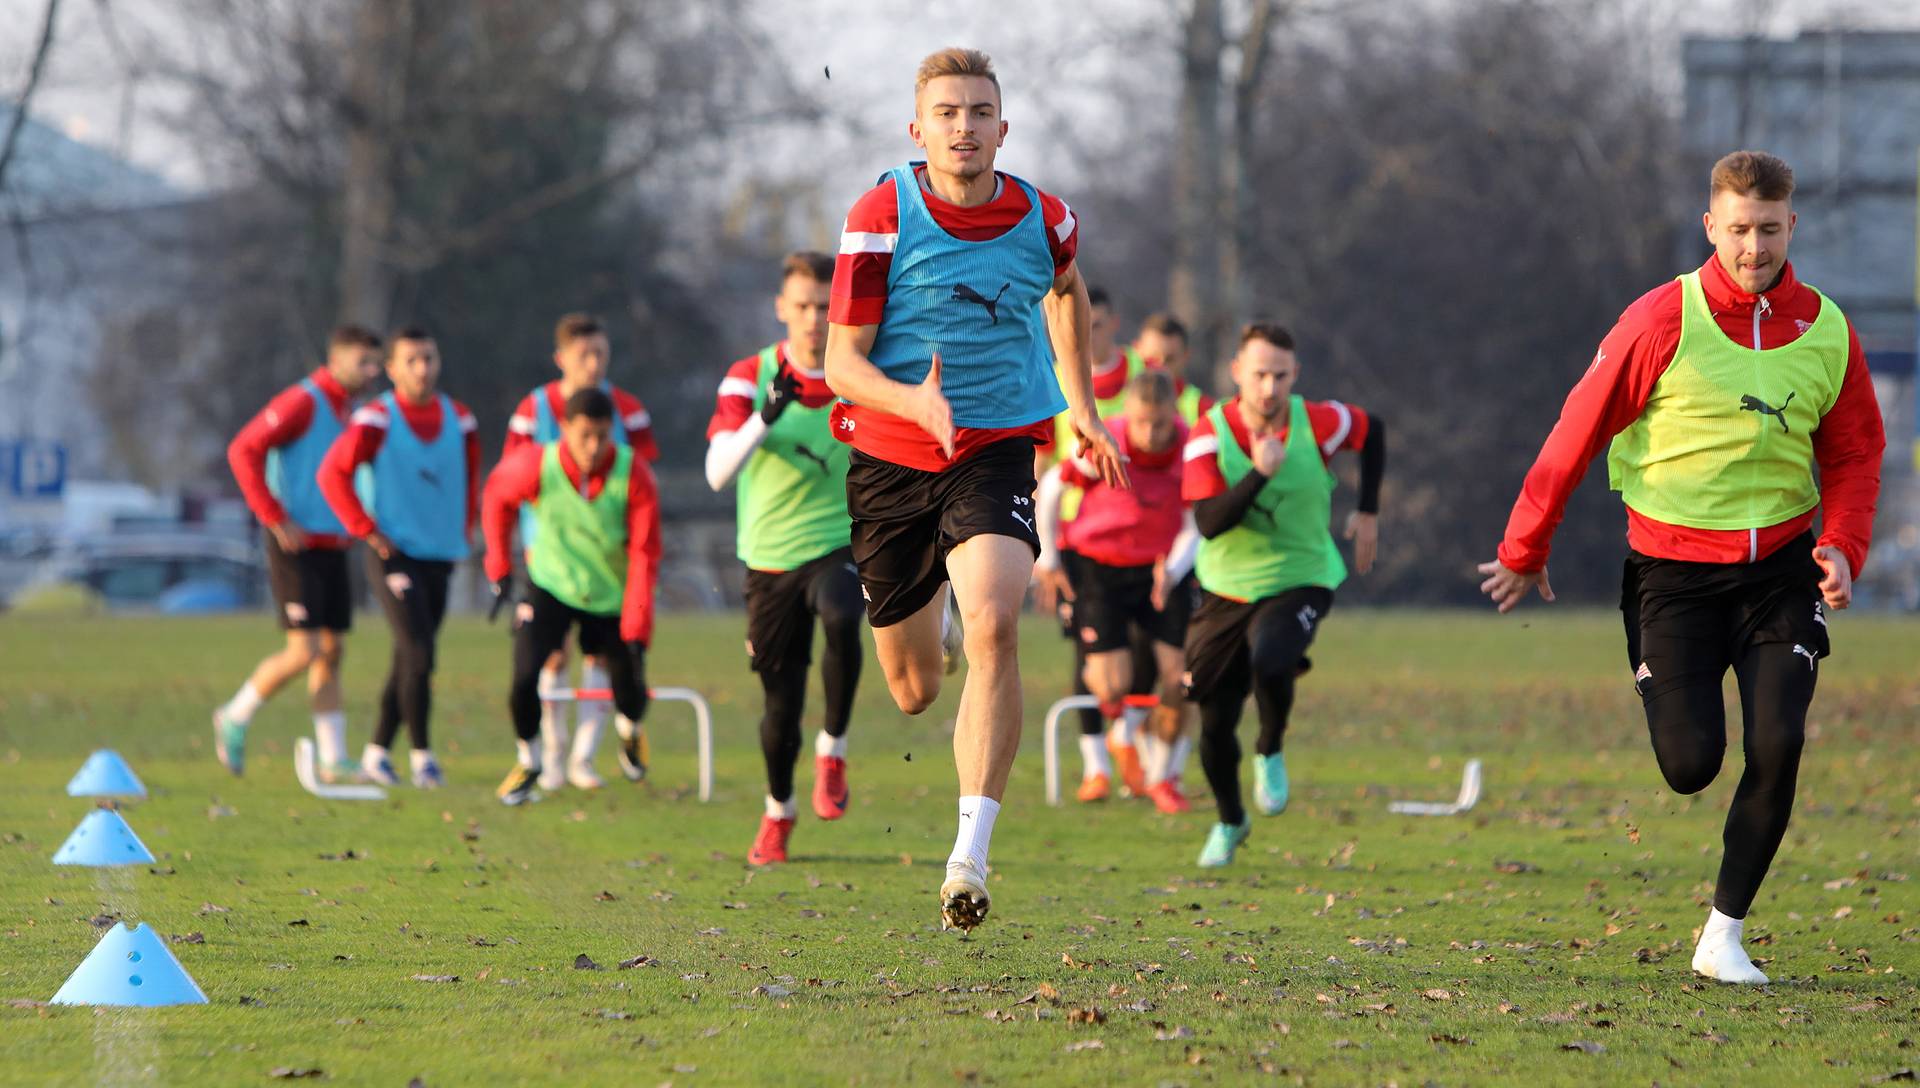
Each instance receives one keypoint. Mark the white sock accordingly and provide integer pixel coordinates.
(977, 814)
(524, 752)
(239, 709)
(1719, 954)
(330, 736)
(589, 718)
(946, 614)
(1121, 729)
(1153, 756)
(420, 757)
(1177, 759)
(1093, 756)
(552, 714)
(781, 810)
(1719, 925)
(1132, 718)
(372, 753)
(830, 746)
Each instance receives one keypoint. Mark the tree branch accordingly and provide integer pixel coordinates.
(19, 118)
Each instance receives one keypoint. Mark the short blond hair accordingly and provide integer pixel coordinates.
(1752, 173)
(955, 61)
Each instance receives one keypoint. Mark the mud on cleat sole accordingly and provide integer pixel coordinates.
(961, 911)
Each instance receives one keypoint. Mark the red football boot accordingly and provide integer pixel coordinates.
(829, 787)
(770, 846)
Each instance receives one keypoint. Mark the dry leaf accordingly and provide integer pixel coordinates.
(584, 962)
(1584, 1047)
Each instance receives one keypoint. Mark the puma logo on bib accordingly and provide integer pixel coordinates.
(963, 293)
(1751, 403)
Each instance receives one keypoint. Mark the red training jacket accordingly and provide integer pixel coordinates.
(1847, 447)
(516, 480)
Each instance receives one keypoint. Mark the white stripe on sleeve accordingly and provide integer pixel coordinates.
(1205, 445)
(521, 425)
(373, 415)
(1063, 230)
(1340, 433)
(862, 241)
(736, 387)
(638, 421)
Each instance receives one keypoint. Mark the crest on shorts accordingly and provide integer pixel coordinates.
(296, 612)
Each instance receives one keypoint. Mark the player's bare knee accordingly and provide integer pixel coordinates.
(913, 690)
(992, 631)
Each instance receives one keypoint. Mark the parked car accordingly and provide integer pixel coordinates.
(163, 572)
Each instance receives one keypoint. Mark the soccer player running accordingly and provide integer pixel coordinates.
(581, 351)
(1262, 495)
(1160, 344)
(1721, 392)
(954, 291)
(274, 460)
(422, 449)
(598, 515)
(1133, 549)
(772, 436)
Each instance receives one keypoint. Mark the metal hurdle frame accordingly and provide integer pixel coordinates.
(702, 718)
(1050, 744)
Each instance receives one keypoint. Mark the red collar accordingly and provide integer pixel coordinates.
(1726, 296)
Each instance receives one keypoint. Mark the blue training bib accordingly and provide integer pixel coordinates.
(420, 488)
(978, 304)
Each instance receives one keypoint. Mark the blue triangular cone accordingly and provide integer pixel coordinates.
(130, 967)
(105, 774)
(103, 838)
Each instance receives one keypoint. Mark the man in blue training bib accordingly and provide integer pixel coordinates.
(954, 291)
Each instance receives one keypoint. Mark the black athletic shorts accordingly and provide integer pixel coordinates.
(310, 587)
(544, 620)
(1223, 633)
(906, 520)
(782, 605)
(1108, 600)
(1686, 621)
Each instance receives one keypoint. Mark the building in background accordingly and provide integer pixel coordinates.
(1844, 108)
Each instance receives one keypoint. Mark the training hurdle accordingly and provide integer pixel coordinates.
(702, 718)
(1050, 743)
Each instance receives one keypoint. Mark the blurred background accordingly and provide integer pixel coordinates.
(1449, 203)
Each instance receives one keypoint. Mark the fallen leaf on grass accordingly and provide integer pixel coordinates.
(772, 989)
(1515, 866)
(1086, 1044)
(639, 961)
(1713, 1037)
(195, 937)
(1437, 995)
(614, 1014)
(209, 908)
(1089, 1015)
(251, 1001)
(1168, 1035)
(288, 1072)
(1584, 1047)
(436, 978)
(1044, 991)
(605, 897)
(1456, 1040)
(344, 855)
(299, 922)
(584, 962)
(1898, 1074)
(103, 921)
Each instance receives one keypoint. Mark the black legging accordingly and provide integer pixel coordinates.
(1276, 637)
(1688, 727)
(414, 614)
(835, 599)
(537, 638)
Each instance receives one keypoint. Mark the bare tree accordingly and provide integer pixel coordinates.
(25, 101)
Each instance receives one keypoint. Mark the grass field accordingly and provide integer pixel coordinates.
(1347, 946)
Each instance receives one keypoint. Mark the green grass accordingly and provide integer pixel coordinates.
(1346, 945)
